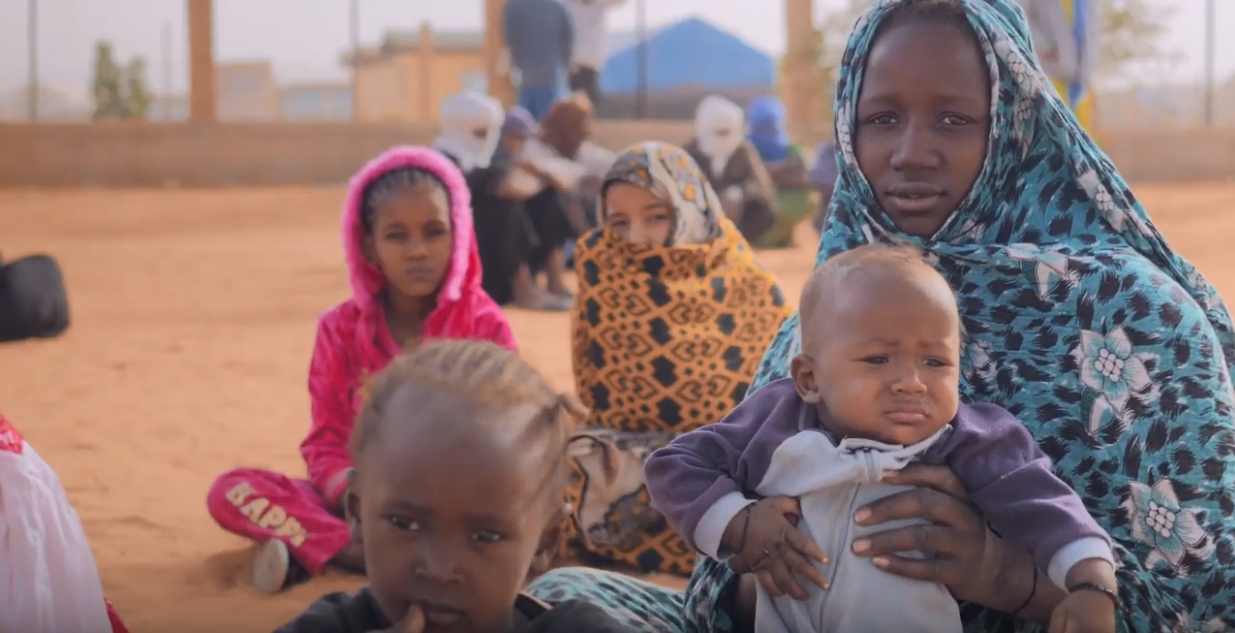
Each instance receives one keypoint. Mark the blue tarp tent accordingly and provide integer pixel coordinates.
(689, 54)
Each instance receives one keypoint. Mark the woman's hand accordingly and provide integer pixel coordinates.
(963, 554)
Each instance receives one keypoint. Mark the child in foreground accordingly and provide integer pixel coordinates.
(49, 582)
(777, 482)
(415, 275)
(456, 498)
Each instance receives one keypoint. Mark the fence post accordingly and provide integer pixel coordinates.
(203, 102)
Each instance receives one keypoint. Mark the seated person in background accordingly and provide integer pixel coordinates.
(672, 316)
(571, 167)
(456, 499)
(488, 149)
(768, 133)
(774, 487)
(415, 275)
(48, 579)
(766, 120)
(733, 167)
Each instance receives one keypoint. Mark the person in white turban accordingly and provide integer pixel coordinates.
(471, 128)
(733, 166)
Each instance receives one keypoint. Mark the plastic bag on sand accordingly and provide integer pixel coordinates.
(48, 579)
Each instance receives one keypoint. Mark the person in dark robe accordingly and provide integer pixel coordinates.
(733, 166)
(571, 167)
(487, 148)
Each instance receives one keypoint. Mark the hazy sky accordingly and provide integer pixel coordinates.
(304, 38)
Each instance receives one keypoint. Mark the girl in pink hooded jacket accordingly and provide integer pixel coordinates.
(415, 274)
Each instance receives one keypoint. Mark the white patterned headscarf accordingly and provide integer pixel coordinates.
(672, 175)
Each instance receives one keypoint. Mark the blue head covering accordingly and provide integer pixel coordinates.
(766, 120)
(519, 121)
(1079, 319)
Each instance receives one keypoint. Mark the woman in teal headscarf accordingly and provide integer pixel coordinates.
(1079, 318)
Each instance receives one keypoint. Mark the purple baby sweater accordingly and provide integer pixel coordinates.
(1008, 477)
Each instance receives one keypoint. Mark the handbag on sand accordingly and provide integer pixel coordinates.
(33, 301)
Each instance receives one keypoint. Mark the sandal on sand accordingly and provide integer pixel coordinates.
(274, 569)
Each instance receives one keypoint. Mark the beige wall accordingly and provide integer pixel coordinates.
(447, 70)
(133, 154)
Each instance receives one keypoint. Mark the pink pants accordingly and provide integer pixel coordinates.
(117, 625)
(262, 505)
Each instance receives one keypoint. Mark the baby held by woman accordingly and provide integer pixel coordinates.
(775, 486)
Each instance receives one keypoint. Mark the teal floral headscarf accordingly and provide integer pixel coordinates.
(1080, 319)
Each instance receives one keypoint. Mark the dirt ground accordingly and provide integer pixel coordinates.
(193, 320)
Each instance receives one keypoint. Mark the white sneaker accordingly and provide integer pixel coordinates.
(271, 564)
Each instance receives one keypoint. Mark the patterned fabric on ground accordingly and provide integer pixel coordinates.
(1080, 320)
(665, 340)
(642, 606)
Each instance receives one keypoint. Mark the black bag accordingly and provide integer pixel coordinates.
(33, 303)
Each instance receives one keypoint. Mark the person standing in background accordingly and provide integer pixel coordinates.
(1065, 39)
(540, 37)
(591, 45)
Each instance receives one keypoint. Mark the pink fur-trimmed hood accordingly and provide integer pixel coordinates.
(367, 280)
(463, 309)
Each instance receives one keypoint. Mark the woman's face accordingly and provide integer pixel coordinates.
(922, 123)
(637, 215)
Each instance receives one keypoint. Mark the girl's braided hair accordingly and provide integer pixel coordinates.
(483, 374)
(392, 183)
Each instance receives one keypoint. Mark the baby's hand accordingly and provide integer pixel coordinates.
(1084, 611)
(775, 549)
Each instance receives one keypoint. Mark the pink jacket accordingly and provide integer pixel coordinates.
(353, 341)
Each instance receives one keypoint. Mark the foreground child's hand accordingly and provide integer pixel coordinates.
(1087, 610)
(765, 540)
(412, 622)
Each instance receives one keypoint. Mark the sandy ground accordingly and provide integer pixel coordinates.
(194, 314)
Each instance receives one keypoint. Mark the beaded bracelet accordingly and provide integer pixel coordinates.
(1033, 591)
(1106, 591)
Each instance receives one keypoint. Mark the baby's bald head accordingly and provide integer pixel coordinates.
(880, 333)
(864, 277)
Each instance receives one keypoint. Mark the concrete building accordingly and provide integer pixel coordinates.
(247, 91)
(408, 74)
